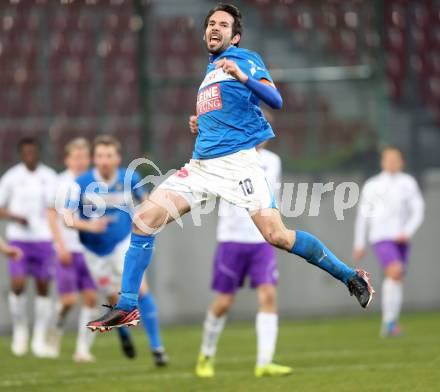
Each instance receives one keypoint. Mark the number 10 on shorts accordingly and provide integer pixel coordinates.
(246, 186)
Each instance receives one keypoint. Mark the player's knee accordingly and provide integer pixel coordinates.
(69, 300)
(68, 305)
(395, 271)
(226, 304)
(90, 302)
(277, 238)
(42, 288)
(222, 304)
(18, 285)
(89, 298)
(140, 219)
(268, 302)
(267, 297)
(221, 310)
(17, 289)
(147, 221)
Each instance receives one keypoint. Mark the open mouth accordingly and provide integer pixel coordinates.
(214, 39)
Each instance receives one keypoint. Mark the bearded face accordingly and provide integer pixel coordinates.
(218, 33)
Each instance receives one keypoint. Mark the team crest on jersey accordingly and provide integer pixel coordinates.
(209, 99)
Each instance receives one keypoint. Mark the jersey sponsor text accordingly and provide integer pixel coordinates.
(209, 99)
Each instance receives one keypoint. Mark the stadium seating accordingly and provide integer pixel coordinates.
(80, 60)
(350, 33)
(75, 61)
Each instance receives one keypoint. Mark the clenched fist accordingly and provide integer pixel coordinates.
(230, 67)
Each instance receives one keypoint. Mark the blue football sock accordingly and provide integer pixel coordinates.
(137, 259)
(124, 333)
(150, 319)
(315, 252)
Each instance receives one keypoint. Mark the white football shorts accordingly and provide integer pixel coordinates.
(107, 270)
(238, 178)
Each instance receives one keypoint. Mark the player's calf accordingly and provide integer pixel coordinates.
(315, 252)
(312, 250)
(18, 285)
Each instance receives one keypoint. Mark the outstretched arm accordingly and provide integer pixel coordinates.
(98, 225)
(266, 91)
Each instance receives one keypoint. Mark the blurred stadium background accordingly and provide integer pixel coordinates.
(355, 75)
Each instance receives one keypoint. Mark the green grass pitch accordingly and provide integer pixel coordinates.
(338, 354)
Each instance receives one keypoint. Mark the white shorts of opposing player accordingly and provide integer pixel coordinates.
(237, 178)
(107, 270)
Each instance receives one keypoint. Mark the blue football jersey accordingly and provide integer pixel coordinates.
(229, 116)
(92, 197)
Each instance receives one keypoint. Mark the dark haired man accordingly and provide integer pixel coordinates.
(225, 164)
(236, 25)
(25, 193)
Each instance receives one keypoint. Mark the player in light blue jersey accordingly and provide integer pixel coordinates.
(225, 164)
(106, 192)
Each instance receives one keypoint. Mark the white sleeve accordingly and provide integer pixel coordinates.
(5, 191)
(51, 189)
(69, 197)
(277, 175)
(361, 223)
(417, 210)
